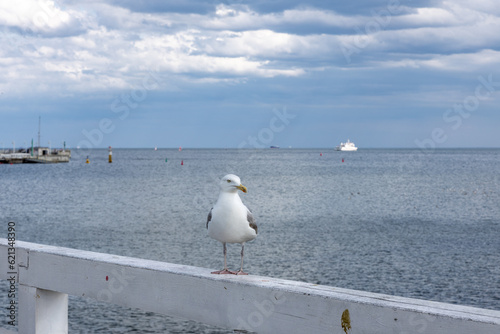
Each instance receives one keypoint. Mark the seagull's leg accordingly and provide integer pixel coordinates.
(225, 270)
(241, 272)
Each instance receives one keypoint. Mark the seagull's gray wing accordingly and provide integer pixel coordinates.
(251, 221)
(209, 218)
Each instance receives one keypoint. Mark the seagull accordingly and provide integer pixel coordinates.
(230, 221)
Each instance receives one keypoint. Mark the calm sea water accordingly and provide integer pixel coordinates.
(400, 222)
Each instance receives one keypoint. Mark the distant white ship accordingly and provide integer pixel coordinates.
(348, 146)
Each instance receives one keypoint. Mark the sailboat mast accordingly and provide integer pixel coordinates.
(39, 126)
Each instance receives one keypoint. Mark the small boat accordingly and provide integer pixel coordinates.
(274, 147)
(348, 146)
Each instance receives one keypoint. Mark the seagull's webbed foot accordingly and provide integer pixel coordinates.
(240, 272)
(224, 272)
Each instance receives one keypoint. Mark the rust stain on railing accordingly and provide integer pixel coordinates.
(345, 321)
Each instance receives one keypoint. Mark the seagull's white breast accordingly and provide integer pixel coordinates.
(229, 221)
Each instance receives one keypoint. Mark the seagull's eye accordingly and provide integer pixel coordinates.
(228, 181)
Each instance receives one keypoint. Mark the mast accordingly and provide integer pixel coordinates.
(39, 126)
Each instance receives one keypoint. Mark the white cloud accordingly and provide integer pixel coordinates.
(40, 17)
(486, 6)
(239, 17)
(180, 53)
(102, 46)
(258, 43)
(479, 35)
(429, 16)
(104, 60)
(449, 29)
(478, 62)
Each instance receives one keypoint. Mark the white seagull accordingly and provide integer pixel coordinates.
(230, 221)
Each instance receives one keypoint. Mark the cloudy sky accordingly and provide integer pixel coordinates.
(384, 73)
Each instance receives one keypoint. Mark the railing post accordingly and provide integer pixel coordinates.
(42, 311)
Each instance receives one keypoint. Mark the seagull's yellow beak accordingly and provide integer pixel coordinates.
(242, 188)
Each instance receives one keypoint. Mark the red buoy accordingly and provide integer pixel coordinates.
(182, 162)
(342, 159)
(321, 154)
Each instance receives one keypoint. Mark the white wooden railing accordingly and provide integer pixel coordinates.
(46, 275)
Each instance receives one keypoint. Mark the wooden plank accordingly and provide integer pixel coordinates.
(253, 303)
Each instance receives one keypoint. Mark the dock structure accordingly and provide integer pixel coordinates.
(36, 155)
(46, 275)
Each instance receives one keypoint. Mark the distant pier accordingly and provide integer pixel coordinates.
(35, 155)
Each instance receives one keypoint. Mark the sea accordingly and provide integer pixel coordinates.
(407, 222)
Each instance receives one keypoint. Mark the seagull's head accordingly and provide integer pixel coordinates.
(231, 183)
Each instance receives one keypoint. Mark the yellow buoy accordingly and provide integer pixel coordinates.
(110, 155)
(88, 161)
